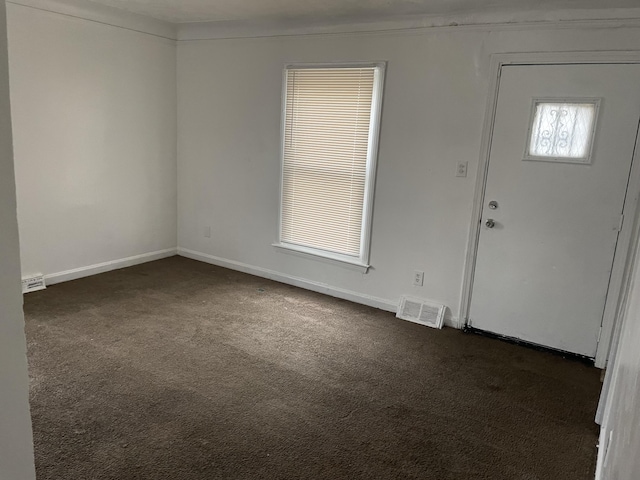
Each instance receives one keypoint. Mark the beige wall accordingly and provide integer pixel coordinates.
(16, 447)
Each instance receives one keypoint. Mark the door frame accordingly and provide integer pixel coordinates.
(619, 280)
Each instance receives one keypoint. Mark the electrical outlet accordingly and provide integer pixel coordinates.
(418, 278)
(207, 232)
(461, 169)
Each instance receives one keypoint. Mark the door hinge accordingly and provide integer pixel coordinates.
(620, 223)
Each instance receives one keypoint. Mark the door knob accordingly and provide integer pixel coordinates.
(490, 223)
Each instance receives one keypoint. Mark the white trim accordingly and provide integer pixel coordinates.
(478, 199)
(103, 14)
(375, 123)
(356, 297)
(73, 274)
(451, 321)
(364, 299)
(621, 306)
(621, 272)
(618, 282)
(362, 261)
(327, 257)
(412, 24)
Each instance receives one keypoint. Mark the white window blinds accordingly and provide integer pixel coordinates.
(327, 129)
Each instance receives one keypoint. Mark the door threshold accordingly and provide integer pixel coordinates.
(534, 346)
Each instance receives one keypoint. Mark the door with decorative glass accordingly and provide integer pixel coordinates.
(559, 165)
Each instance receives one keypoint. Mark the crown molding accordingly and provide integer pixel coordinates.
(485, 20)
(600, 18)
(103, 14)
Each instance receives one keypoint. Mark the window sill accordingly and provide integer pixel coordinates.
(328, 258)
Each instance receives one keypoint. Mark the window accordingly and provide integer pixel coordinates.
(330, 136)
(562, 131)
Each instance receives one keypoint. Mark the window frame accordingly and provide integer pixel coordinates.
(360, 262)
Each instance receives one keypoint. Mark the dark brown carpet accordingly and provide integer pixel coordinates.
(180, 370)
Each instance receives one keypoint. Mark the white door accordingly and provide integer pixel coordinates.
(546, 245)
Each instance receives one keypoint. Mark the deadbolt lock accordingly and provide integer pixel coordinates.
(493, 204)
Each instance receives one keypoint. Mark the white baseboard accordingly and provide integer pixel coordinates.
(451, 321)
(53, 278)
(356, 297)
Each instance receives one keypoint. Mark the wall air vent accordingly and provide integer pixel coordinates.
(419, 311)
(33, 283)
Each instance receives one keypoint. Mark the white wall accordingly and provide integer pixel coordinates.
(94, 112)
(620, 433)
(229, 97)
(16, 445)
(94, 108)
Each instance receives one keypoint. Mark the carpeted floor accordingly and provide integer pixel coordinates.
(180, 370)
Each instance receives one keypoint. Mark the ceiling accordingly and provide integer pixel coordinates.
(182, 11)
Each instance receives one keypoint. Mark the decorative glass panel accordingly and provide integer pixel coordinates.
(562, 131)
